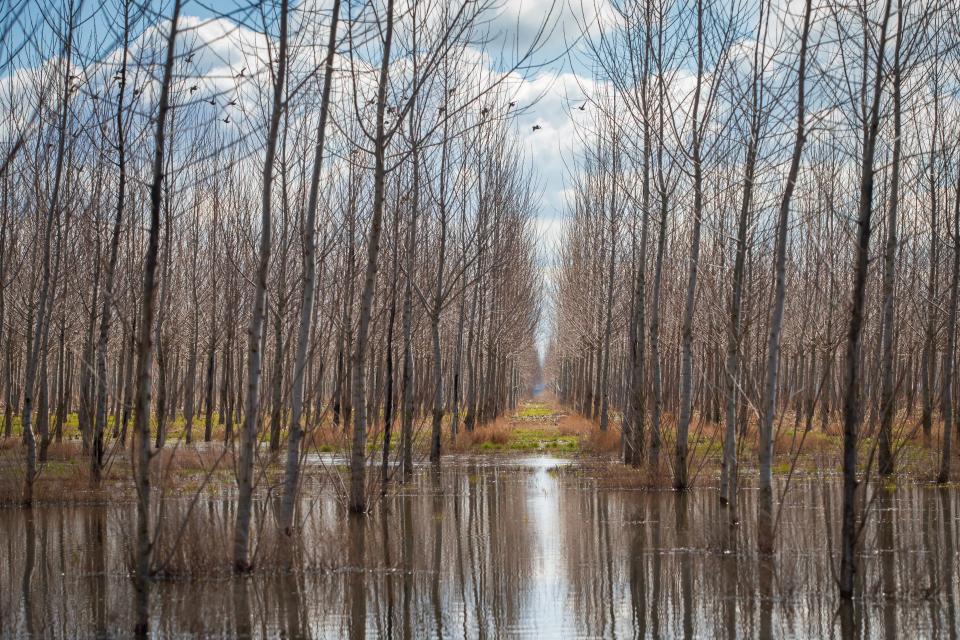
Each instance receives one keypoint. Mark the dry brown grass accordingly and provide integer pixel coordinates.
(61, 479)
(65, 476)
(187, 459)
(616, 476)
(326, 438)
(574, 425)
(598, 442)
(498, 433)
(64, 451)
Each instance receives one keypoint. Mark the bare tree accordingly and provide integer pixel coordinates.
(248, 434)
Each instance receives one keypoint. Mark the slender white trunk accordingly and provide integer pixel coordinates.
(765, 524)
(145, 347)
(248, 434)
(852, 374)
(291, 481)
(40, 318)
(885, 451)
(358, 455)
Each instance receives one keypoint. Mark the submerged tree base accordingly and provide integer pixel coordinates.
(584, 554)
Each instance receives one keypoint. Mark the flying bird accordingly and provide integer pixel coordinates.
(537, 127)
(232, 103)
(242, 72)
(512, 104)
(190, 58)
(583, 107)
(484, 111)
(227, 120)
(193, 88)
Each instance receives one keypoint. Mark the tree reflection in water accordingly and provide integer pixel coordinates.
(486, 549)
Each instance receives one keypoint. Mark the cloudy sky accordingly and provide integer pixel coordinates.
(550, 93)
(559, 88)
(554, 85)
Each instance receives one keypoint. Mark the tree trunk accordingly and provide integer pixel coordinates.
(291, 483)
(852, 373)
(680, 480)
(36, 345)
(358, 498)
(608, 318)
(248, 434)
(949, 358)
(887, 409)
(766, 534)
(144, 544)
(100, 415)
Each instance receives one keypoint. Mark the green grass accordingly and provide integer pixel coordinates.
(781, 468)
(534, 410)
(176, 426)
(531, 440)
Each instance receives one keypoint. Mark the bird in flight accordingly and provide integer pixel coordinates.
(242, 73)
(232, 103)
(583, 107)
(537, 127)
(227, 120)
(190, 58)
(512, 104)
(193, 88)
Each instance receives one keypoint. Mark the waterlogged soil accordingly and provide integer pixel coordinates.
(492, 548)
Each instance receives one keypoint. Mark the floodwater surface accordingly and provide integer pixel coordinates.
(522, 547)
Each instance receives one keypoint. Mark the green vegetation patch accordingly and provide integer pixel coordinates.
(535, 410)
(532, 440)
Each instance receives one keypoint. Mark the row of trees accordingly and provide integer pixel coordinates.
(742, 162)
(261, 225)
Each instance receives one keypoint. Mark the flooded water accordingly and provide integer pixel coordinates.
(501, 549)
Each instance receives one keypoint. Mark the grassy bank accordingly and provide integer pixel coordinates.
(536, 428)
